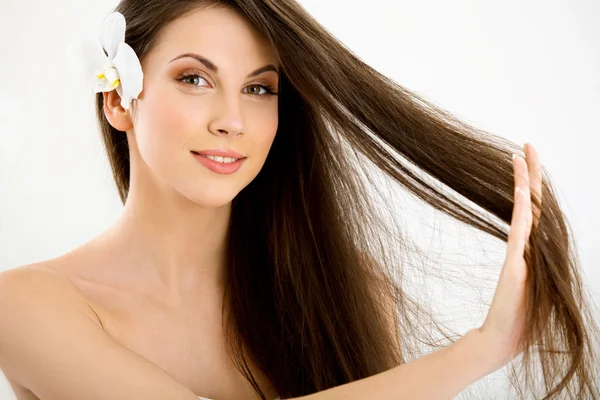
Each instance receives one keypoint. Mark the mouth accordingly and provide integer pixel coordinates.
(216, 158)
(219, 165)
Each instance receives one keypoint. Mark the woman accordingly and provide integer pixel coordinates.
(264, 276)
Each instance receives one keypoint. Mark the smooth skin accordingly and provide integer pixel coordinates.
(52, 343)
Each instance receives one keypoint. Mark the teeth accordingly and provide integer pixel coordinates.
(224, 160)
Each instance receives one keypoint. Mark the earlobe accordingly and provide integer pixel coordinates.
(116, 115)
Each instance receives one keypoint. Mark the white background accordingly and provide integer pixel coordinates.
(526, 70)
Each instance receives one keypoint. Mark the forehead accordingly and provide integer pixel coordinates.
(219, 34)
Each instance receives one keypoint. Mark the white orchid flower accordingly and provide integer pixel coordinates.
(120, 70)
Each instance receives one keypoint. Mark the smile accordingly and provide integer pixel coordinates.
(220, 165)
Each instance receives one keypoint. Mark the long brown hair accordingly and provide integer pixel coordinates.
(311, 265)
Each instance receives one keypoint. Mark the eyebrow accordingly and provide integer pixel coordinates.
(210, 65)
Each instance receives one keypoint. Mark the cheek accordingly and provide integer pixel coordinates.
(166, 123)
(264, 128)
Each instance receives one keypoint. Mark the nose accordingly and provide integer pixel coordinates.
(228, 117)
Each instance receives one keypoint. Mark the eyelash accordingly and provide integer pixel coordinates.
(271, 91)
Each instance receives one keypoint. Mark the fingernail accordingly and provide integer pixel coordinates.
(513, 156)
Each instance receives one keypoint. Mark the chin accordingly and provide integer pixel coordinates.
(213, 198)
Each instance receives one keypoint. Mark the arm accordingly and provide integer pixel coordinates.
(442, 374)
(52, 344)
(438, 375)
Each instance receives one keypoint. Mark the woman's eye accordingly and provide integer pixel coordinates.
(191, 79)
(257, 90)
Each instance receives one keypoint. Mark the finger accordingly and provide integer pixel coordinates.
(523, 177)
(535, 177)
(521, 217)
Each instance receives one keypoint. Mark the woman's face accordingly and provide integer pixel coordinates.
(187, 106)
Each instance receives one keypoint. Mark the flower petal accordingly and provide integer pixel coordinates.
(112, 32)
(130, 71)
(87, 59)
(125, 99)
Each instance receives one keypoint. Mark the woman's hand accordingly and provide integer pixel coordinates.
(503, 326)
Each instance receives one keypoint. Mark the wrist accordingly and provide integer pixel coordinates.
(482, 351)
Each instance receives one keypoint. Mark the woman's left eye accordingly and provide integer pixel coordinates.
(267, 89)
(260, 87)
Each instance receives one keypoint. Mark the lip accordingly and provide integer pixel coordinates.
(220, 168)
(220, 152)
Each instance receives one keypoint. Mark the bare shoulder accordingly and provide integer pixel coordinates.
(35, 282)
(53, 344)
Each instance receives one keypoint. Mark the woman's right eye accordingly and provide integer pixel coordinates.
(190, 79)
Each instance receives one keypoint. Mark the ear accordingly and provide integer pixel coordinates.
(118, 117)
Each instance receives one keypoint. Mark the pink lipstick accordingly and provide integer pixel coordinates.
(225, 167)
